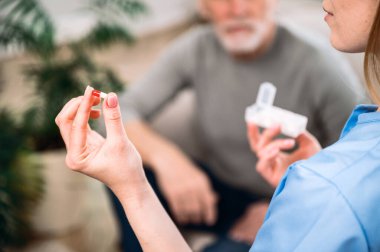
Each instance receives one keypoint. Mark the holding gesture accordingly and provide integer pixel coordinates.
(115, 162)
(272, 161)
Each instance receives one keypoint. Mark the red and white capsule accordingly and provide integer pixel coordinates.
(98, 93)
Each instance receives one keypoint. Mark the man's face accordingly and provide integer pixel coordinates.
(241, 25)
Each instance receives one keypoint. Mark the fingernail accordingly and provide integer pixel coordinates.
(112, 101)
(88, 88)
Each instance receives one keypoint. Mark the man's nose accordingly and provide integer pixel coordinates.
(239, 8)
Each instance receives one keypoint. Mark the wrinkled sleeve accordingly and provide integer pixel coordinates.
(307, 213)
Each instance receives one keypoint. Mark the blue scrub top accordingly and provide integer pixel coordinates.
(330, 202)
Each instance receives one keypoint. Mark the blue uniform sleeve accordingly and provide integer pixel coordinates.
(308, 213)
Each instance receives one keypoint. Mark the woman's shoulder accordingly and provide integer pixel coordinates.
(358, 148)
(351, 169)
(308, 212)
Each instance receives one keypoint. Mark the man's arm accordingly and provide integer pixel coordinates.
(152, 146)
(186, 188)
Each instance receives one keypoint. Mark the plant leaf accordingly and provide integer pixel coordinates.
(103, 35)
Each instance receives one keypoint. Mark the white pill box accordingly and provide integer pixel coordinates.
(265, 115)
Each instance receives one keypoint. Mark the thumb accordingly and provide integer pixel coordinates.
(309, 145)
(112, 117)
(306, 138)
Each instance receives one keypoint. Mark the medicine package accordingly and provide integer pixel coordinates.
(265, 115)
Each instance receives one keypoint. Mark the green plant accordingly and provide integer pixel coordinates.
(28, 26)
(21, 184)
(26, 23)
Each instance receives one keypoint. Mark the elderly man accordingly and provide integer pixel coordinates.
(224, 62)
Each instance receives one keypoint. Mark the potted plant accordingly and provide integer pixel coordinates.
(21, 183)
(60, 73)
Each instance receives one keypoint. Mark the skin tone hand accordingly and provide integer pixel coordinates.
(273, 162)
(188, 191)
(115, 162)
(246, 228)
(88, 152)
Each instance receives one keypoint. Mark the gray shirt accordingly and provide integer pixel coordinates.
(311, 80)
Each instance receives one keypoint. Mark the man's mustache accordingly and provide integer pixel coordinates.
(231, 25)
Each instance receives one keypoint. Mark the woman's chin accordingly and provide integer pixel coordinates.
(343, 46)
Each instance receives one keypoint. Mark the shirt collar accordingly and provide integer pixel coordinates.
(361, 114)
(369, 114)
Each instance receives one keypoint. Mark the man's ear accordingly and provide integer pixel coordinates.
(202, 9)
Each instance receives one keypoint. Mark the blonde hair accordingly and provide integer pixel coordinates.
(372, 60)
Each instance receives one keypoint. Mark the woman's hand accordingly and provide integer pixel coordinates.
(273, 162)
(114, 160)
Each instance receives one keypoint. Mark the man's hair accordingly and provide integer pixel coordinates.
(372, 60)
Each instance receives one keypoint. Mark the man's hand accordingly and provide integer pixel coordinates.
(188, 191)
(273, 162)
(247, 226)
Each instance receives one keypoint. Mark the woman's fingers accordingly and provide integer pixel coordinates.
(63, 111)
(112, 117)
(65, 118)
(277, 145)
(267, 160)
(78, 134)
(267, 136)
(266, 168)
(253, 136)
(95, 114)
(306, 138)
(309, 146)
